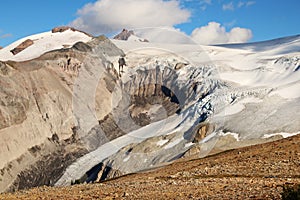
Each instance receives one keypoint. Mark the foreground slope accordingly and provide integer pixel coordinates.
(255, 172)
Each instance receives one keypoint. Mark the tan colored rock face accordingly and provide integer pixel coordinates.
(38, 126)
(62, 29)
(22, 46)
(36, 105)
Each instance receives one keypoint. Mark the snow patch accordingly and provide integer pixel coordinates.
(235, 135)
(289, 92)
(162, 142)
(126, 159)
(188, 144)
(238, 107)
(173, 143)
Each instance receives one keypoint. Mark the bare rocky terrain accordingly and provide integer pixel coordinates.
(255, 172)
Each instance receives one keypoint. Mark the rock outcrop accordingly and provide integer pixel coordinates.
(201, 131)
(39, 134)
(22, 46)
(61, 29)
(124, 35)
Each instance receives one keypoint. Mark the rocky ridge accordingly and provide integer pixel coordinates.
(126, 34)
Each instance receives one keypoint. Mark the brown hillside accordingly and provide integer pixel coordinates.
(256, 172)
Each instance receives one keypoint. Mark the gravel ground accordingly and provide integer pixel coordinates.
(256, 172)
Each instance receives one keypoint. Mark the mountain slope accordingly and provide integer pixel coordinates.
(74, 107)
(228, 98)
(38, 127)
(43, 42)
(256, 172)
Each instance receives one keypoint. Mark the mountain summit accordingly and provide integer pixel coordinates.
(128, 35)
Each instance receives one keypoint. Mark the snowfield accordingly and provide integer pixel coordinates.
(250, 92)
(43, 42)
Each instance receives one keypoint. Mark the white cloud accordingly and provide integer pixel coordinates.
(250, 3)
(241, 4)
(228, 6)
(245, 3)
(214, 33)
(6, 35)
(164, 35)
(105, 16)
(230, 24)
(205, 2)
(203, 8)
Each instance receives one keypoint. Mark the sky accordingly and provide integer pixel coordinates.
(205, 21)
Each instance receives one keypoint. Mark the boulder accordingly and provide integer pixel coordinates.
(202, 130)
(22, 46)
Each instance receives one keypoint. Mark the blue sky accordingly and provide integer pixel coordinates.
(266, 19)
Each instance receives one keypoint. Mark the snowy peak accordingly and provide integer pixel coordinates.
(35, 45)
(61, 29)
(129, 35)
(124, 35)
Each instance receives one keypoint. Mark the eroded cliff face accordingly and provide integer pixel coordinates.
(38, 128)
(65, 104)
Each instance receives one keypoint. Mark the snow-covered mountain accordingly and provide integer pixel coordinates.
(127, 35)
(162, 35)
(229, 97)
(43, 42)
(71, 104)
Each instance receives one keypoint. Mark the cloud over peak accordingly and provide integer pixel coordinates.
(215, 33)
(105, 16)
